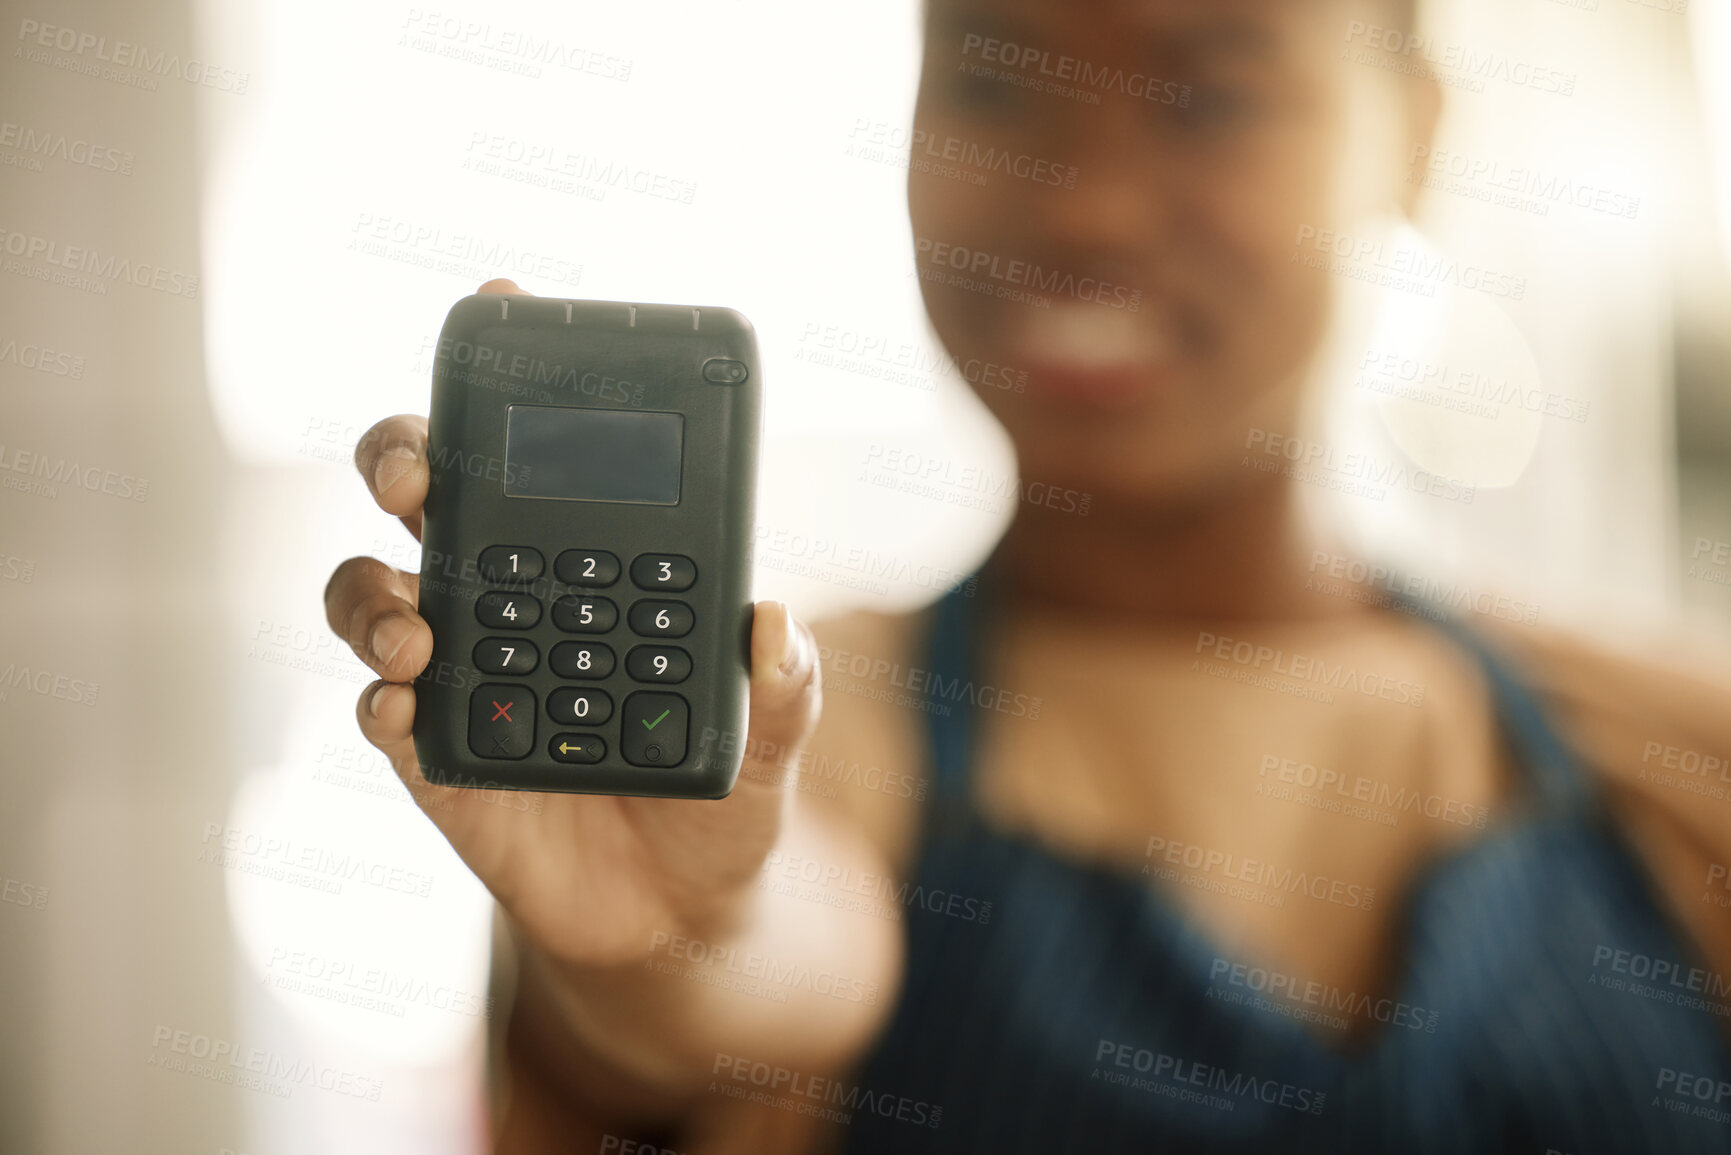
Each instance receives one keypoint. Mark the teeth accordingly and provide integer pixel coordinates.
(1091, 336)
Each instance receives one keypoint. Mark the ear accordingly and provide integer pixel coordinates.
(1424, 103)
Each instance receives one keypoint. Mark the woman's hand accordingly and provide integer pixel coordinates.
(591, 880)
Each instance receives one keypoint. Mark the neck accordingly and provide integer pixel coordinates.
(1243, 554)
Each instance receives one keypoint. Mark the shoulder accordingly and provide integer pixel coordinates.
(868, 755)
(1652, 720)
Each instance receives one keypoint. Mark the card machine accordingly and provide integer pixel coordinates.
(586, 539)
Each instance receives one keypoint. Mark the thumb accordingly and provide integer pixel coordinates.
(786, 693)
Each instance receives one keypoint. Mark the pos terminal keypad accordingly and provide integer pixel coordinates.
(582, 637)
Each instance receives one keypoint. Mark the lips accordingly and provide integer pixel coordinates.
(1093, 355)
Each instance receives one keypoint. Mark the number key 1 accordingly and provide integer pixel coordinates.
(505, 563)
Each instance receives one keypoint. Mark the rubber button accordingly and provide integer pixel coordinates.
(581, 748)
(721, 371)
(586, 567)
(510, 563)
(502, 721)
(513, 656)
(652, 729)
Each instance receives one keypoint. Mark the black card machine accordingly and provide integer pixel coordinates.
(586, 561)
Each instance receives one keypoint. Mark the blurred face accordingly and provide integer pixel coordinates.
(1107, 195)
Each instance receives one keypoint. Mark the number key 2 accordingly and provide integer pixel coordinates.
(586, 567)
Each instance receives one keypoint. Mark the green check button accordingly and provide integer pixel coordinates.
(654, 728)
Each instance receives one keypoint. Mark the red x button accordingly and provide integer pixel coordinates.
(502, 722)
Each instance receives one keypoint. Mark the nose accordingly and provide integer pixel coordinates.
(1120, 211)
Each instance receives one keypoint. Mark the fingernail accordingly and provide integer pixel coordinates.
(388, 637)
(393, 464)
(790, 641)
(374, 702)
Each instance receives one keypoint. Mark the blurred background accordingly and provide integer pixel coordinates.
(229, 233)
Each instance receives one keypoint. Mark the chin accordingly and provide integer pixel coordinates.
(1156, 464)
